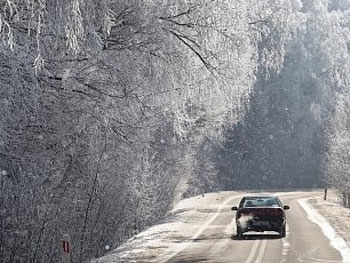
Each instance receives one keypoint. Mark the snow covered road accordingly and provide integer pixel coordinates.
(202, 229)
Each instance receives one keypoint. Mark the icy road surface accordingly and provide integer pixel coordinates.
(202, 229)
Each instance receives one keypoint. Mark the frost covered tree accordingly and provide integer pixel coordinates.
(337, 165)
(337, 50)
(111, 109)
(105, 106)
(282, 142)
(328, 43)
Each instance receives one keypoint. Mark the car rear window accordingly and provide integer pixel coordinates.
(260, 201)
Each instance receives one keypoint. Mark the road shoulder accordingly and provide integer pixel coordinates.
(336, 215)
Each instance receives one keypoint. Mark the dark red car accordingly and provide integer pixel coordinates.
(261, 213)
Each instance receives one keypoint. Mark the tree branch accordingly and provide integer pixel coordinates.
(183, 40)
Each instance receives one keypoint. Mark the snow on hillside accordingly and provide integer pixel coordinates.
(187, 218)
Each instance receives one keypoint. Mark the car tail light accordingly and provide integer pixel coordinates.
(279, 212)
(244, 212)
(273, 211)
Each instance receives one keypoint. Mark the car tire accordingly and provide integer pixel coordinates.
(239, 232)
(283, 231)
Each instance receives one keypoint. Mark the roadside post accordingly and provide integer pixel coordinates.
(325, 194)
(66, 249)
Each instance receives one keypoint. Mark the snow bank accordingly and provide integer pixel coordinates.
(336, 241)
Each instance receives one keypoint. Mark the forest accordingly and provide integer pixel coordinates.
(114, 110)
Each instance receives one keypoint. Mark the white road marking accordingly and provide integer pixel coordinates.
(220, 246)
(253, 251)
(335, 240)
(167, 255)
(261, 252)
(285, 245)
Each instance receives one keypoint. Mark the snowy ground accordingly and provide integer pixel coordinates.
(187, 218)
(190, 216)
(336, 215)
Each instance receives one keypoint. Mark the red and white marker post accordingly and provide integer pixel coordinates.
(66, 249)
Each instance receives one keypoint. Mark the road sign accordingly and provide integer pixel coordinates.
(66, 249)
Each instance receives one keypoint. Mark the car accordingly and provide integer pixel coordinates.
(259, 214)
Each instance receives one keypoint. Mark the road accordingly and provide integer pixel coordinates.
(216, 243)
